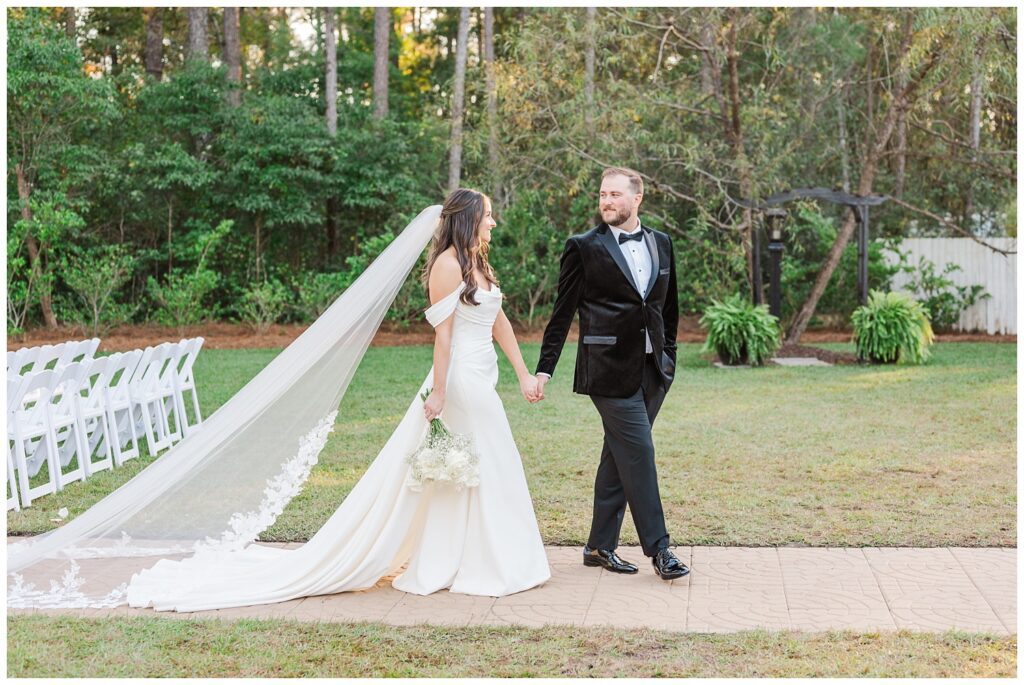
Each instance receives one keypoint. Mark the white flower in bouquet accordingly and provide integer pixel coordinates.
(443, 457)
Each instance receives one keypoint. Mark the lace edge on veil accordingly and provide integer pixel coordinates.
(243, 529)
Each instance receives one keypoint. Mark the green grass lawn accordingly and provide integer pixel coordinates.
(49, 646)
(839, 456)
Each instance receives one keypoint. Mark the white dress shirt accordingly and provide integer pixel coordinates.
(638, 257)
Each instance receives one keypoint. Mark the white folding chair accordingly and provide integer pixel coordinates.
(26, 356)
(13, 386)
(47, 356)
(29, 430)
(92, 416)
(64, 424)
(145, 392)
(166, 387)
(14, 391)
(34, 392)
(186, 382)
(81, 350)
(118, 405)
(12, 483)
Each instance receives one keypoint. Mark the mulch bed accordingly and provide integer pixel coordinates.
(235, 336)
(829, 356)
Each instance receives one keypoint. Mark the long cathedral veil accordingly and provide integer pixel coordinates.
(228, 481)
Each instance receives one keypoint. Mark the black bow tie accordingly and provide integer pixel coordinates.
(638, 236)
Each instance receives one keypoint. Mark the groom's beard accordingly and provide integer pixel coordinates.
(619, 217)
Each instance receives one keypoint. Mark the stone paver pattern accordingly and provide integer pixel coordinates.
(729, 589)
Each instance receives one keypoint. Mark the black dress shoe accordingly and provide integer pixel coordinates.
(608, 559)
(667, 565)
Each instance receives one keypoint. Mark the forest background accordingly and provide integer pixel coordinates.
(180, 165)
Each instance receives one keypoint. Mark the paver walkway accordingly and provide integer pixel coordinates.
(728, 589)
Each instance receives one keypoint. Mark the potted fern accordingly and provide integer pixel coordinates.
(739, 332)
(892, 327)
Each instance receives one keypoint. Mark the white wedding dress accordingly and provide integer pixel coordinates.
(479, 541)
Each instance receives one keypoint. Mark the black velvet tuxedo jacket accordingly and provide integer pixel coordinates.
(595, 280)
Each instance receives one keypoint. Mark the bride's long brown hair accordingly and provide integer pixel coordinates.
(461, 216)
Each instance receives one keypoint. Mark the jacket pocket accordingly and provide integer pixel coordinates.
(599, 339)
(666, 271)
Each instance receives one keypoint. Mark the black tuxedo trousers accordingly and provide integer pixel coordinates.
(627, 473)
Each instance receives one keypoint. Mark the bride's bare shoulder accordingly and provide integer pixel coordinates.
(445, 275)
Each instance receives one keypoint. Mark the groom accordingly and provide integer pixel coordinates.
(621, 278)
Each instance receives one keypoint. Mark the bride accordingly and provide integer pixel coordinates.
(480, 540)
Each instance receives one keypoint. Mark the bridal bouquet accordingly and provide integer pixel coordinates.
(443, 456)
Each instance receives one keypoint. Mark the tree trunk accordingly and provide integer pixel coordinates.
(844, 154)
(233, 53)
(198, 47)
(259, 246)
(35, 259)
(170, 233)
(331, 75)
(458, 101)
(707, 40)
(155, 42)
(478, 17)
(977, 84)
(492, 102)
(590, 36)
(331, 94)
(901, 136)
(901, 100)
(869, 83)
(381, 38)
(740, 155)
(70, 25)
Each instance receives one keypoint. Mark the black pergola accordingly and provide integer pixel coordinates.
(769, 207)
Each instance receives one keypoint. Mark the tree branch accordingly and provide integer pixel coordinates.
(950, 224)
(664, 187)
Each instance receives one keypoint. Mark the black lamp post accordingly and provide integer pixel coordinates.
(774, 219)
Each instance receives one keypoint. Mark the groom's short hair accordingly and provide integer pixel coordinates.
(635, 182)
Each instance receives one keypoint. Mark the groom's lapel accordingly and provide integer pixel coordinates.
(652, 247)
(608, 239)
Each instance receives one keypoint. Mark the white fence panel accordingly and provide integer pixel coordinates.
(978, 265)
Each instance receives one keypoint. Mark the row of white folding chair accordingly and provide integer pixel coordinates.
(46, 430)
(105, 391)
(158, 389)
(56, 416)
(40, 358)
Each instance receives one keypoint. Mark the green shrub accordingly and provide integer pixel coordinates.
(264, 304)
(940, 296)
(740, 332)
(892, 327)
(95, 276)
(180, 298)
(316, 292)
(20, 295)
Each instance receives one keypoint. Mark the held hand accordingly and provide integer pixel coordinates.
(528, 386)
(433, 406)
(541, 382)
